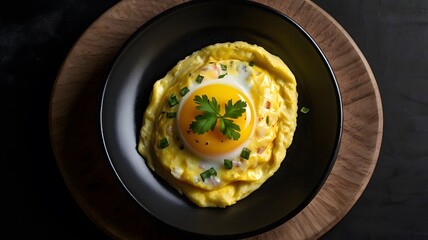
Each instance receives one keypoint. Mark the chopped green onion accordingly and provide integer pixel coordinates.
(304, 110)
(184, 90)
(245, 153)
(172, 100)
(223, 67)
(228, 164)
(208, 173)
(199, 78)
(251, 64)
(267, 120)
(171, 114)
(222, 75)
(163, 143)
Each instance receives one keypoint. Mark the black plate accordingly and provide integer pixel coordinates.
(176, 33)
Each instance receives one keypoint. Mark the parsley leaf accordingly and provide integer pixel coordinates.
(211, 113)
(230, 129)
(206, 105)
(204, 123)
(235, 110)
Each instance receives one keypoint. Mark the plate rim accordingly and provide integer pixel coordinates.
(326, 63)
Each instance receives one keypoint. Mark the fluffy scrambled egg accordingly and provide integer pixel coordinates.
(219, 123)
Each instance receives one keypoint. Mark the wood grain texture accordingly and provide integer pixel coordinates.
(81, 159)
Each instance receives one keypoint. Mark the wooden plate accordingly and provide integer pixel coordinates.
(74, 123)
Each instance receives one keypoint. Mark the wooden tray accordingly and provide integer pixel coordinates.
(81, 159)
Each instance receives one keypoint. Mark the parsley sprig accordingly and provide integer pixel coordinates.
(211, 113)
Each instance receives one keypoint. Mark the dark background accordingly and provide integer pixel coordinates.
(35, 37)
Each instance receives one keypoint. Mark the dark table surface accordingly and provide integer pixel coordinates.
(35, 37)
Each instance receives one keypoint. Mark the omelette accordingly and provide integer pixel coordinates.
(219, 123)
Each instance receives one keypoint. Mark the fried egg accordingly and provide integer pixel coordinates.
(219, 123)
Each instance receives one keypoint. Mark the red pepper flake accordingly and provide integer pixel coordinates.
(267, 105)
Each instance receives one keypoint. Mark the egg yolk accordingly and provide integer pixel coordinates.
(215, 143)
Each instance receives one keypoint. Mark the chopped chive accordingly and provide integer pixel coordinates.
(199, 78)
(228, 164)
(245, 153)
(251, 64)
(222, 75)
(184, 90)
(267, 120)
(171, 114)
(304, 110)
(172, 100)
(212, 171)
(223, 67)
(163, 143)
(208, 173)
